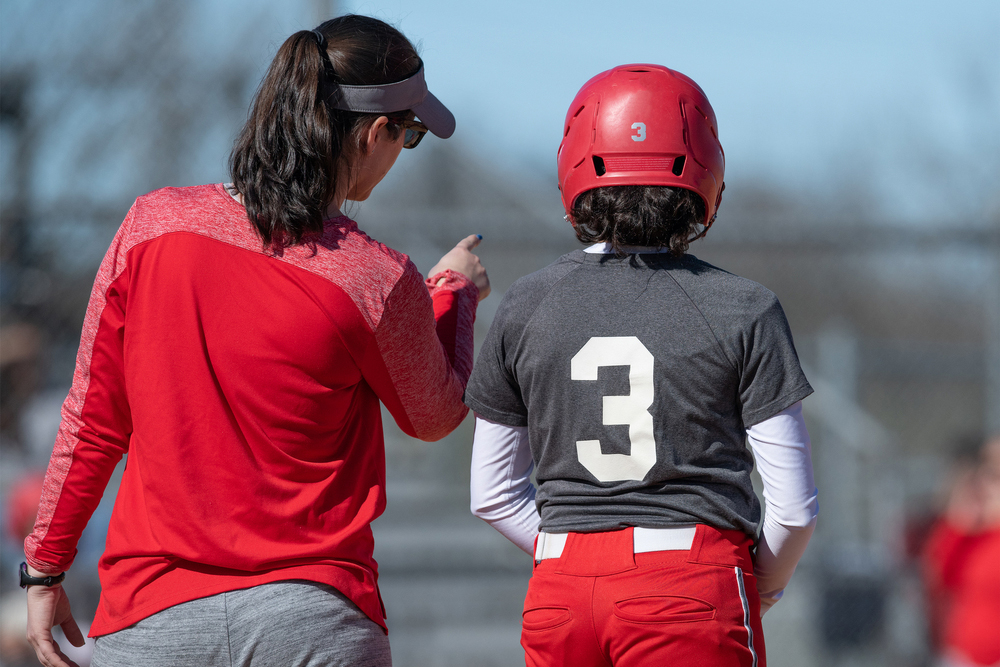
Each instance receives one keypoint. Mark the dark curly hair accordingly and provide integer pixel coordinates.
(285, 160)
(639, 215)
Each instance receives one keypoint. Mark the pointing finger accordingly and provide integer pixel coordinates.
(470, 242)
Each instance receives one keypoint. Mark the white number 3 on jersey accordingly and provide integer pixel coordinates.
(632, 410)
(640, 131)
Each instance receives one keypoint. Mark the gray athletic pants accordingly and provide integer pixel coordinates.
(288, 623)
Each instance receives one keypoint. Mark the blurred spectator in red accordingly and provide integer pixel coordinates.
(20, 508)
(22, 504)
(962, 565)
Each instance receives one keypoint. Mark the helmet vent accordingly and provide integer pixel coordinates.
(569, 123)
(678, 165)
(599, 166)
(637, 163)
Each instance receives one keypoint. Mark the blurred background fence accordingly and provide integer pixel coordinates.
(898, 325)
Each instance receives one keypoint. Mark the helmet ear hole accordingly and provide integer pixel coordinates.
(678, 165)
(599, 166)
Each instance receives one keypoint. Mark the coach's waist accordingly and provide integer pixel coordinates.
(644, 540)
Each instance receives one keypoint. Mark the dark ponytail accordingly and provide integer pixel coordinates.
(285, 160)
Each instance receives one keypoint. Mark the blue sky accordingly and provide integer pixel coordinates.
(805, 93)
(891, 100)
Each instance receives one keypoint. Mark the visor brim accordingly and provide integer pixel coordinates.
(435, 116)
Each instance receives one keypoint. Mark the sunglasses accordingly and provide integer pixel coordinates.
(415, 131)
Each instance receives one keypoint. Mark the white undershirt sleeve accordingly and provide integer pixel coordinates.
(501, 489)
(781, 448)
(503, 496)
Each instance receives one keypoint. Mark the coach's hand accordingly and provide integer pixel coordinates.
(461, 259)
(47, 608)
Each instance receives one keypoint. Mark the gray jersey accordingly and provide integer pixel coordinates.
(637, 378)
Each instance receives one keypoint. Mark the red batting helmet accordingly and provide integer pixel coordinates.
(641, 125)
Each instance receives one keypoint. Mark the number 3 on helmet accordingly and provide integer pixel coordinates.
(641, 125)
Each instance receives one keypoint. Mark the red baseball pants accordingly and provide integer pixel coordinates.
(601, 605)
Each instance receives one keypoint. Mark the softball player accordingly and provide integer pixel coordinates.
(629, 376)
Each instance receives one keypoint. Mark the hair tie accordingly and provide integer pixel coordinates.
(323, 55)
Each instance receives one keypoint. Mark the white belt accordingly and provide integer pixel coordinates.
(644, 540)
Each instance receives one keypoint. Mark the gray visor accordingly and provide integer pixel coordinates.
(409, 94)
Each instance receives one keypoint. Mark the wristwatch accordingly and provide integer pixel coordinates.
(28, 580)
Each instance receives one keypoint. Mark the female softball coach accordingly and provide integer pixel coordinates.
(237, 344)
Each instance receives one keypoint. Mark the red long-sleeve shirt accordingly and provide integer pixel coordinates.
(244, 386)
(962, 572)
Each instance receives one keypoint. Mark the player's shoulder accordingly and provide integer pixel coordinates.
(528, 291)
(710, 285)
(549, 275)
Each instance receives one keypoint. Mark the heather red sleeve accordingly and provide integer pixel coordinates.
(96, 422)
(455, 318)
(424, 352)
(944, 555)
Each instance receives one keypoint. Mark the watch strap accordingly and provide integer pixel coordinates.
(28, 580)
